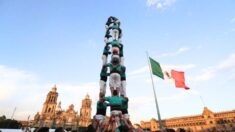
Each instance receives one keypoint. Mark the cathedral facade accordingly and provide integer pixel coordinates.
(85, 112)
(53, 116)
(207, 121)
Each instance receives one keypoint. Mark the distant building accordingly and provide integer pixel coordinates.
(52, 114)
(85, 112)
(207, 121)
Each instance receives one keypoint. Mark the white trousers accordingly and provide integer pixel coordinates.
(123, 88)
(100, 118)
(115, 34)
(115, 113)
(104, 59)
(115, 81)
(122, 61)
(102, 87)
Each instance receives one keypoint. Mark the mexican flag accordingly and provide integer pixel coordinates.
(177, 76)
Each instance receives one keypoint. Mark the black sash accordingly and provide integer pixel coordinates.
(115, 107)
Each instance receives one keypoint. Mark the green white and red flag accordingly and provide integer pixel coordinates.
(176, 76)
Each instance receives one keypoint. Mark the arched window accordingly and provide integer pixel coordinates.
(52, 98)
(49, 110)
(225, 121)
(221, 121)
(52, 110)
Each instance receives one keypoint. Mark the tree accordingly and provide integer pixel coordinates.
(2, 118)
(8, 123)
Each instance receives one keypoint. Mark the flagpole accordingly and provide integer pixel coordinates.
(28, 121)
(202, 101)
(155, 96)
(13, 113)
(12, 117)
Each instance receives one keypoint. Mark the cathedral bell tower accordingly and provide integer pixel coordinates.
(85, 112)
(49, 105)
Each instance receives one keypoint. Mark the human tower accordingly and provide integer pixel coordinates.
(113, 70)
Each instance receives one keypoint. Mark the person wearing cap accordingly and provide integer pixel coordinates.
(117, 49)
(101, 110)
(101, 107)
(116, 31)
(125, 107)
(117, 76)
(116, 46)
(103, 78)
(125, 119)
(106, 52)
(107, 36)
(112, 20)
(126, 124)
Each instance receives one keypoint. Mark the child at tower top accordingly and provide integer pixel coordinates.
(112, 20)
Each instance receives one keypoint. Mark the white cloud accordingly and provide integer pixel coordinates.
(11, 79)
(228, 63)
(160, 4)
(75, 93)
(23, 89)
(179, 51)
(139, 104)
(207, 74)
(211, 72)
(15, 86)
(175, 97)
(179, 67)
(145, 69)
(141, 70)
(149, 80)
(183, 49)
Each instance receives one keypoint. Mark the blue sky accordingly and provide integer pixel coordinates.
(60, 42)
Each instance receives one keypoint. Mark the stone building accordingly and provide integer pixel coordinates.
(52, 114)
(85, 112)
(207, 121)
